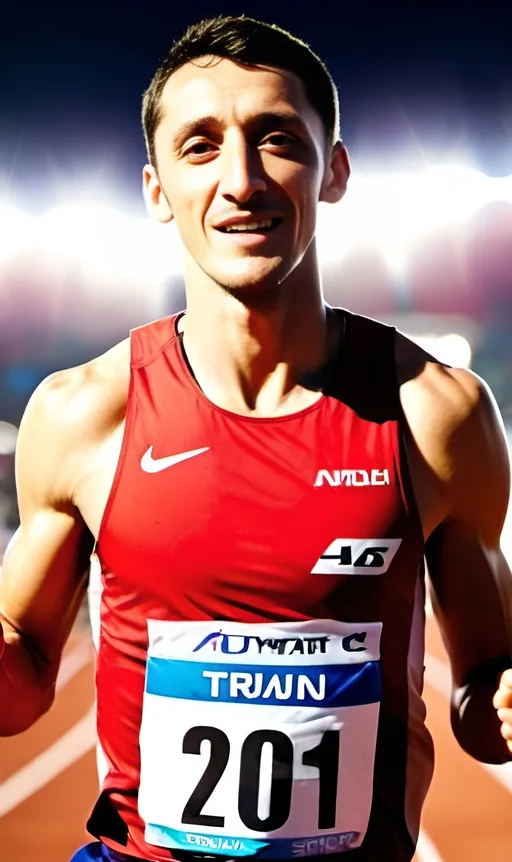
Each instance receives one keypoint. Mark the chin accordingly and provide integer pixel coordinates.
(255, 281)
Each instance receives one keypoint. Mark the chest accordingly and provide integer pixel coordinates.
(278, 509)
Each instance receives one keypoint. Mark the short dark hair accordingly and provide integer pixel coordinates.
(251, 43)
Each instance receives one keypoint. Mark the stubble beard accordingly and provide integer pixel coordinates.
(257, 294)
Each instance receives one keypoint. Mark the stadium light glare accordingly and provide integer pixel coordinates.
(502, 188)
(456, 192)
(108, 244)
(334, 238)
(451, 348)
(161, 253)
(83, 228)
(411, 203)
(15, 231)
(393, 210)
(388, 212)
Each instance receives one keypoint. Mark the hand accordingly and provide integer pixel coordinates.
(502, 702)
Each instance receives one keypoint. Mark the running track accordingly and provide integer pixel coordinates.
(48, 780)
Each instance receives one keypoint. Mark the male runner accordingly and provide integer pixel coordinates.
(262, 477)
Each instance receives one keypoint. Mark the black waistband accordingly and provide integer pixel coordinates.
(110, 855)
(114, 856)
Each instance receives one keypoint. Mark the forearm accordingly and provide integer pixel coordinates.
(27, 685)
(474, 719)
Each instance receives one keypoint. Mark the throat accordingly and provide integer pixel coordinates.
(273, 398)
(267, 404)
(264, 365)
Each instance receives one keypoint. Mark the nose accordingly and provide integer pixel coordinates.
(242, 172)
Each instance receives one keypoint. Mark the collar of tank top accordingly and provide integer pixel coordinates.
(314, 380)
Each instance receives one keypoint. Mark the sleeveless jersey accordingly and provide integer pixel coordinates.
(261, 621)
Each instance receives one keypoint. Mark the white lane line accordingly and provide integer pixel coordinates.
(502, 773)
(74, 661)
(44, 768)
(438, 675)
(426, 850)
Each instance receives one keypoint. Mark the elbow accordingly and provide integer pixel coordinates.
(17, 717)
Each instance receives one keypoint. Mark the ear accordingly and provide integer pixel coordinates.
(337, 172)
(156, 202)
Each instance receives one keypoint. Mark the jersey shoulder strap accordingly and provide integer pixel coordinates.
(150, 340)
(366, 377)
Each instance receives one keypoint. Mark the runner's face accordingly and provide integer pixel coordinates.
(238, 146)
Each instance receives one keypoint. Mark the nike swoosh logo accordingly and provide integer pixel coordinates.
(154, 465)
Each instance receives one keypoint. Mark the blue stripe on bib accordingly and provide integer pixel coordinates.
(308, 686)
(280, 848)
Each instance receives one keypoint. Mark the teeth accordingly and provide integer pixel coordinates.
(253, 225)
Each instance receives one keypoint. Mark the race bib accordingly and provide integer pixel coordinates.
(259, 739)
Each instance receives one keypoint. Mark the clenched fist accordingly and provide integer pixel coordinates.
(503, 703)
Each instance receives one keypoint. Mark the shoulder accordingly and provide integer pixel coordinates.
(454, 399)
(456, 425)
(87, 396)
(69, 413)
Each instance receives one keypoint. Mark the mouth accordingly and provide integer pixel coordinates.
(256, 226)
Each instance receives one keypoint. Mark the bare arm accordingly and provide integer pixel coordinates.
(472, 583)
(44, 571)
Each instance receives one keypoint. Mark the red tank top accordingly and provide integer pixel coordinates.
(216, 516)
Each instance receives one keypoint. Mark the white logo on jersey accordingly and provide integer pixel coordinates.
(357, 557)
(356, 478)
(154, 465)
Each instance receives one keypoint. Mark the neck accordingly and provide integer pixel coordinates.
(251, 354)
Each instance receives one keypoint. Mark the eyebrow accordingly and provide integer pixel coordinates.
(273, 119)
(260, 122)
(193, 127)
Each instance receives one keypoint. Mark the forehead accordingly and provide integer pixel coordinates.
(231, 92)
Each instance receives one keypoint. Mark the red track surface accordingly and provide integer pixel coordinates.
(468, 815)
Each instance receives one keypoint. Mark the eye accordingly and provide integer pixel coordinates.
(198, 150)
(280, 140)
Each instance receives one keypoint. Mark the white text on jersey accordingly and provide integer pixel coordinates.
(357, 557)
(355, 478)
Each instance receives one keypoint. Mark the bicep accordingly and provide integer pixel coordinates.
(45, 564)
